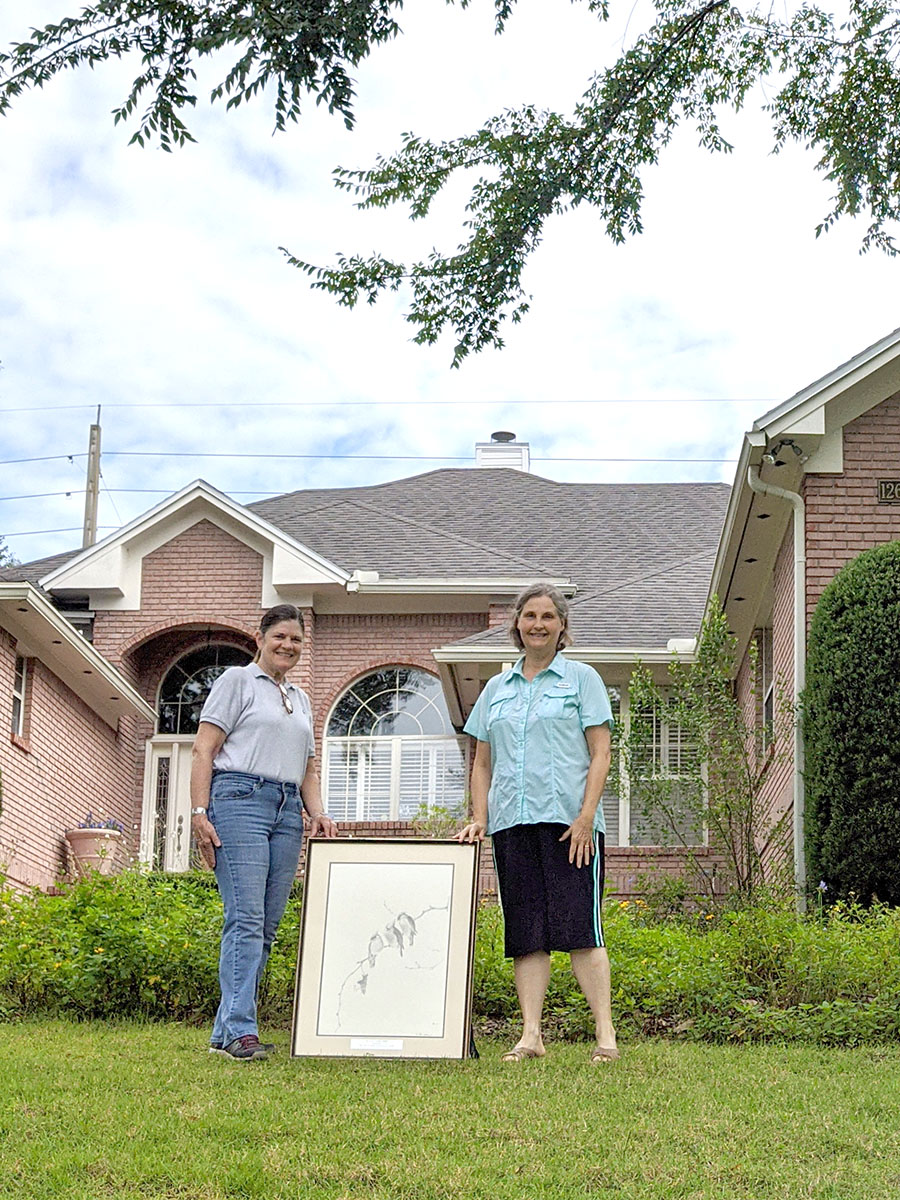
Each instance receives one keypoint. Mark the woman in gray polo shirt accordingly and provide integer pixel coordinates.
(253, 772)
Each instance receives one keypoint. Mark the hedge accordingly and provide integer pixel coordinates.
(145, 946)
(851, 723)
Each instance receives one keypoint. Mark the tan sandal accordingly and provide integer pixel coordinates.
(519, 1054)
(604, 1054)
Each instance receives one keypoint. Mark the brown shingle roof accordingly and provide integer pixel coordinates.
(640, 554)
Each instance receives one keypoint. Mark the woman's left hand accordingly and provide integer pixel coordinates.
(580, 835)
(322, 826)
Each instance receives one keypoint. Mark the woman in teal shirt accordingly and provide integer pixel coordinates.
(541, 761)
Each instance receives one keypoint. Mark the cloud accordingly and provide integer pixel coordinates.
(132, 277)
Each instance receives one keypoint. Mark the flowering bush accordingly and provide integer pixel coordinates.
(92, 822)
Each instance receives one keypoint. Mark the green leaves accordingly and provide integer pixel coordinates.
(834, 88)
(851, 722)
(838, 92)
(298, 47)
(712, 778)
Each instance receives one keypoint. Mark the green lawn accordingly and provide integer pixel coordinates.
(95, 1111)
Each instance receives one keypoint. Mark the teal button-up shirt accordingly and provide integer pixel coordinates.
(539, 754)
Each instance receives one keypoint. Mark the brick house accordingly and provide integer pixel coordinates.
(818, 482)
(71, 746)
(404, 587)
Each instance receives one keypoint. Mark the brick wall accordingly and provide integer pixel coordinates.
(775, 841)
(201, 577)
(70, 762)
(843, 516)
(629, 872)
(346, 647)
(203, 583)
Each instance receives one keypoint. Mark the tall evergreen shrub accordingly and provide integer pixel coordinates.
(851, 722)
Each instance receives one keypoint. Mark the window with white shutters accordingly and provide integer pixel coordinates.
(390, 750)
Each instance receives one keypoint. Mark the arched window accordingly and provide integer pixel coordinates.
(390, 749)
(188, 682)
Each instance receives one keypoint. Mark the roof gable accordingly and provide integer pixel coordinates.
(110, 571)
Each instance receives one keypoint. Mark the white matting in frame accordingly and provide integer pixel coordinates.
(386, 949)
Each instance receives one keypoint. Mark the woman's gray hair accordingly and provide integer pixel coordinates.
(560, 603)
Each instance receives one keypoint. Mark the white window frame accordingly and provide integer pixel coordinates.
(391, 745)
(21, 675)
(766, 645)
(394, 744)
(625, 797)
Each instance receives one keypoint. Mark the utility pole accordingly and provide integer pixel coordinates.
(92, 485)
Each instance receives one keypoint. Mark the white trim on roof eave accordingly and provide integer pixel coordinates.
(70, 636)
(610, 654)
(829, 386)
(199, 489)
(752, 449)
(479, 585)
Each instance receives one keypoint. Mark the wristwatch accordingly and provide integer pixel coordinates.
(196, 812)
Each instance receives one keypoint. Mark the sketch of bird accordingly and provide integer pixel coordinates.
(393, 937)
(406, 925)
(376, 945)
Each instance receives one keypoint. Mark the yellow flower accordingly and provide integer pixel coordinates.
(98, 949)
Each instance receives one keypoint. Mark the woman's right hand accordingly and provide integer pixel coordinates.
(473, 832)
(207, 839)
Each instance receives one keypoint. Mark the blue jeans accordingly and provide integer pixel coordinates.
(260, 825)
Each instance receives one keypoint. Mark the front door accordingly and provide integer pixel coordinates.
(166, 827)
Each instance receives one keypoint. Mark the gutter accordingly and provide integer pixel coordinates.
(796, 502)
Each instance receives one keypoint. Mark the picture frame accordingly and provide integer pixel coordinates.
(387, 942)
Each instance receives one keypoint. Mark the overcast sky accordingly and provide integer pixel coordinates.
(150, 284)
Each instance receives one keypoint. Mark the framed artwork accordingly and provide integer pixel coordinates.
(387, 943)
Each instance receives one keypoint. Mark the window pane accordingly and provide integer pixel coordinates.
(396, 723)
(432, 773)
(187, 683)
(610, 799)
(666, 790)
(20, 685)
(391, 702)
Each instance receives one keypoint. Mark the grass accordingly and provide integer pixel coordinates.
(141, 1112)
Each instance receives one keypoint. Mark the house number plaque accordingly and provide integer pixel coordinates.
(889, 491)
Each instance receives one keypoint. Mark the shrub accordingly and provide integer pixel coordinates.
(129, 945)
(757, 974)
(851, 721)
(135, 945)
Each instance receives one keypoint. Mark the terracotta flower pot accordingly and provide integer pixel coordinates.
(95, 850)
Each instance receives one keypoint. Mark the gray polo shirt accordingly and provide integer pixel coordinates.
(262, 737)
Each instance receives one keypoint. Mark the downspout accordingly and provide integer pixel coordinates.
(796, 502)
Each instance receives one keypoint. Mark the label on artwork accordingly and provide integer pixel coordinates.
(376, 1044)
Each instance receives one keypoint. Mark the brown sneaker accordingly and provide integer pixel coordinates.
(245, 1049)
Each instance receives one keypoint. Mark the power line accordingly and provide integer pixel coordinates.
(392, 403)
(466, 458)
(39, 532)
(120, 491)
(10, 462)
